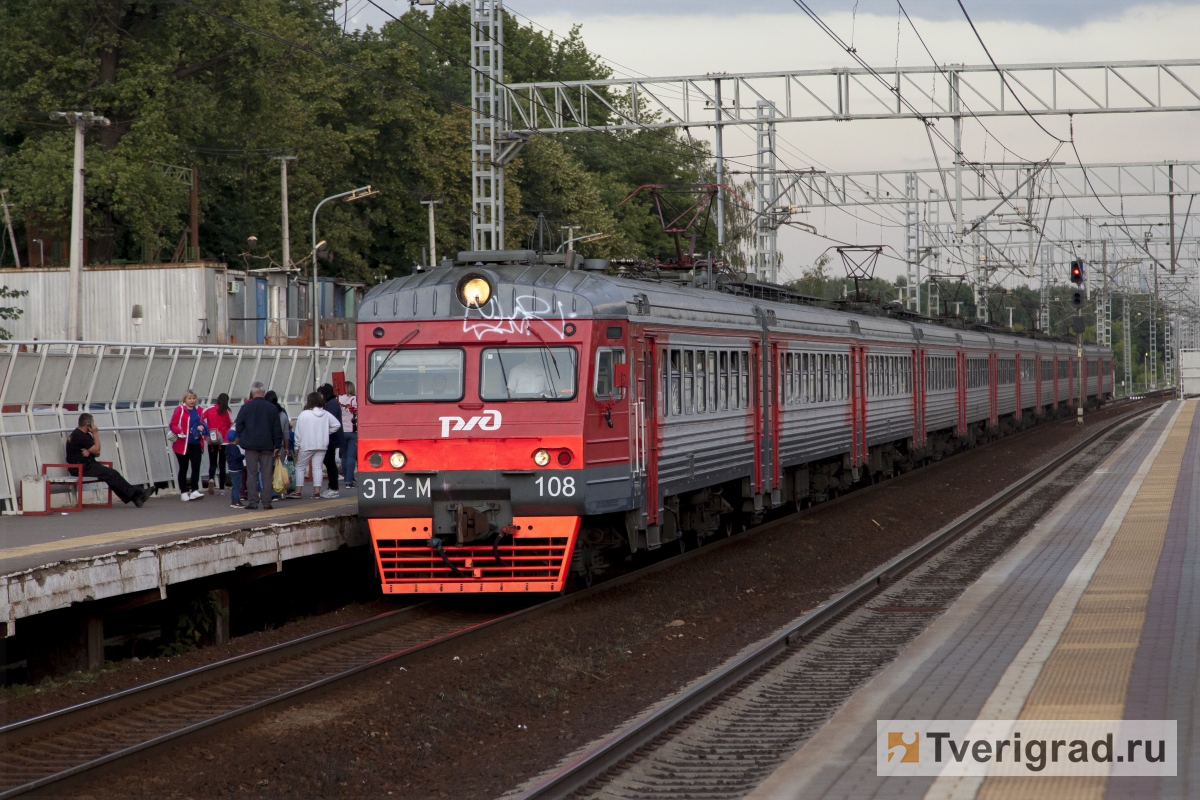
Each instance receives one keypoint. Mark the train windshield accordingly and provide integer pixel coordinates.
(527, 373)
(406, 376)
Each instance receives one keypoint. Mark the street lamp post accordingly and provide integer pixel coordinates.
(353, 194)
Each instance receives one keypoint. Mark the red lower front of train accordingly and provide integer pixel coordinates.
(534, 557)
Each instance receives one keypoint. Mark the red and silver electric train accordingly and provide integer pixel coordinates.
(519, 421)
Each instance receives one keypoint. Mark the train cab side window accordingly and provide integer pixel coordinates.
(701, 383)
(606, 360)
(723, 380)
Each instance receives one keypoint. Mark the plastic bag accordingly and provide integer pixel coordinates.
(279, 480)
(290, 466)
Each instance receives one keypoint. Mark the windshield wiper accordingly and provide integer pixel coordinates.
(390, 353)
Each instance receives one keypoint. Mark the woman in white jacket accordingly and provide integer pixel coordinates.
(313, 427)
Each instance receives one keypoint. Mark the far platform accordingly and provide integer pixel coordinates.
(1094, 615)
(50, 562)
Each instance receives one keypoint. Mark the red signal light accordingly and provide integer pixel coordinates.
(1077, 271)
(564, 457)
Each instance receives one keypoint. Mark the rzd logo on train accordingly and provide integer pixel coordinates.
(489, 421)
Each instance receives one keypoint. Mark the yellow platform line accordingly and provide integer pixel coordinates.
(1087, 675)
(241, 521)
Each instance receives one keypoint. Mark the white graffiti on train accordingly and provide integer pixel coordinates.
(488, 421)
(527, 309)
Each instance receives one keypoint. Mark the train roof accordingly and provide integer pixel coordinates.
(550, 292)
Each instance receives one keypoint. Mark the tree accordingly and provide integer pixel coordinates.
(10, 312)
(229, 91)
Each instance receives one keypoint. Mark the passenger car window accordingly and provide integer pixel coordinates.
(527, 373)
(413, 376)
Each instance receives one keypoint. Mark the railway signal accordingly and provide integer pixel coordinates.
(1077, 297)
(1077, 274)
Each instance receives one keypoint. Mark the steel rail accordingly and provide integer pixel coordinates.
(78, 717)
(594, 764)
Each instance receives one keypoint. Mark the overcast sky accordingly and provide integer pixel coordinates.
(678, 37)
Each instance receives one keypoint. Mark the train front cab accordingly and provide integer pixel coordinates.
(489, 489)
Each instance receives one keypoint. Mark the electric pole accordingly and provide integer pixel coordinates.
(8, 224)
(432, 232)
(286, 246)
(82, 120)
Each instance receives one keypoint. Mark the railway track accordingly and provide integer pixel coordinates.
(41, 754)
(724, 735)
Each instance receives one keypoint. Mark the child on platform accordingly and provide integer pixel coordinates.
(235, 465)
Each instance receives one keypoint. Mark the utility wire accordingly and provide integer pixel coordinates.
(1003, 79)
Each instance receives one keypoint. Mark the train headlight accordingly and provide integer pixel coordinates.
(474, 292)
(375, 460)
(541, 457)
(397, 460)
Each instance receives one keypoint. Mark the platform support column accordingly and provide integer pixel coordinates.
(221, 629)
(95, 643)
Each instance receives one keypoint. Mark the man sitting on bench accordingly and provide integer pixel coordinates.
(83, 446)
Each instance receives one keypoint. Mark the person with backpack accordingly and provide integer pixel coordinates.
(191, 433)
(235, 460)
(219, 421)
(349, 406)
(314, 428)
(335, 438)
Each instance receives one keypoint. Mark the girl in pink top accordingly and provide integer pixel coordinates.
(219, 421)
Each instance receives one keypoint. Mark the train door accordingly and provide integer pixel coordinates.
(993, 391)
(961, 393)
(918, 397)
(648, 433)
(606, 427)
(758, 410)
(775, 387)
(1017, 384)
(858, 405)
(1054, 376)
(1037, 393)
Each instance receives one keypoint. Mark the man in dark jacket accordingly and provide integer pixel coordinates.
(83, 445)
(332, 406)
(261, 437)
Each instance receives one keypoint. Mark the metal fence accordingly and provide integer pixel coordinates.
(131, 390)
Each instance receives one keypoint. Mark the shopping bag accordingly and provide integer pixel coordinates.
(279, 480)
(290, 466)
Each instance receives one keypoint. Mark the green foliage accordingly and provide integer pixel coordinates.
(189, 89)
(194, 624)
(10, 312)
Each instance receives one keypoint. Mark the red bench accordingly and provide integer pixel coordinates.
(77, 482)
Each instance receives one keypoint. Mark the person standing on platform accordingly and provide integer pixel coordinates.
(236, 462)
(191, 433)
(83, 445)
(219, 421)
(285, 423)
(261, 438)
(314, 427)
(335, 439)
(349, 405)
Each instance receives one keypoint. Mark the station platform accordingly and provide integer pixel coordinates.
(51, 562)
(1093, 616)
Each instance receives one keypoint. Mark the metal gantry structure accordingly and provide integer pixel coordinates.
(505, 115)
